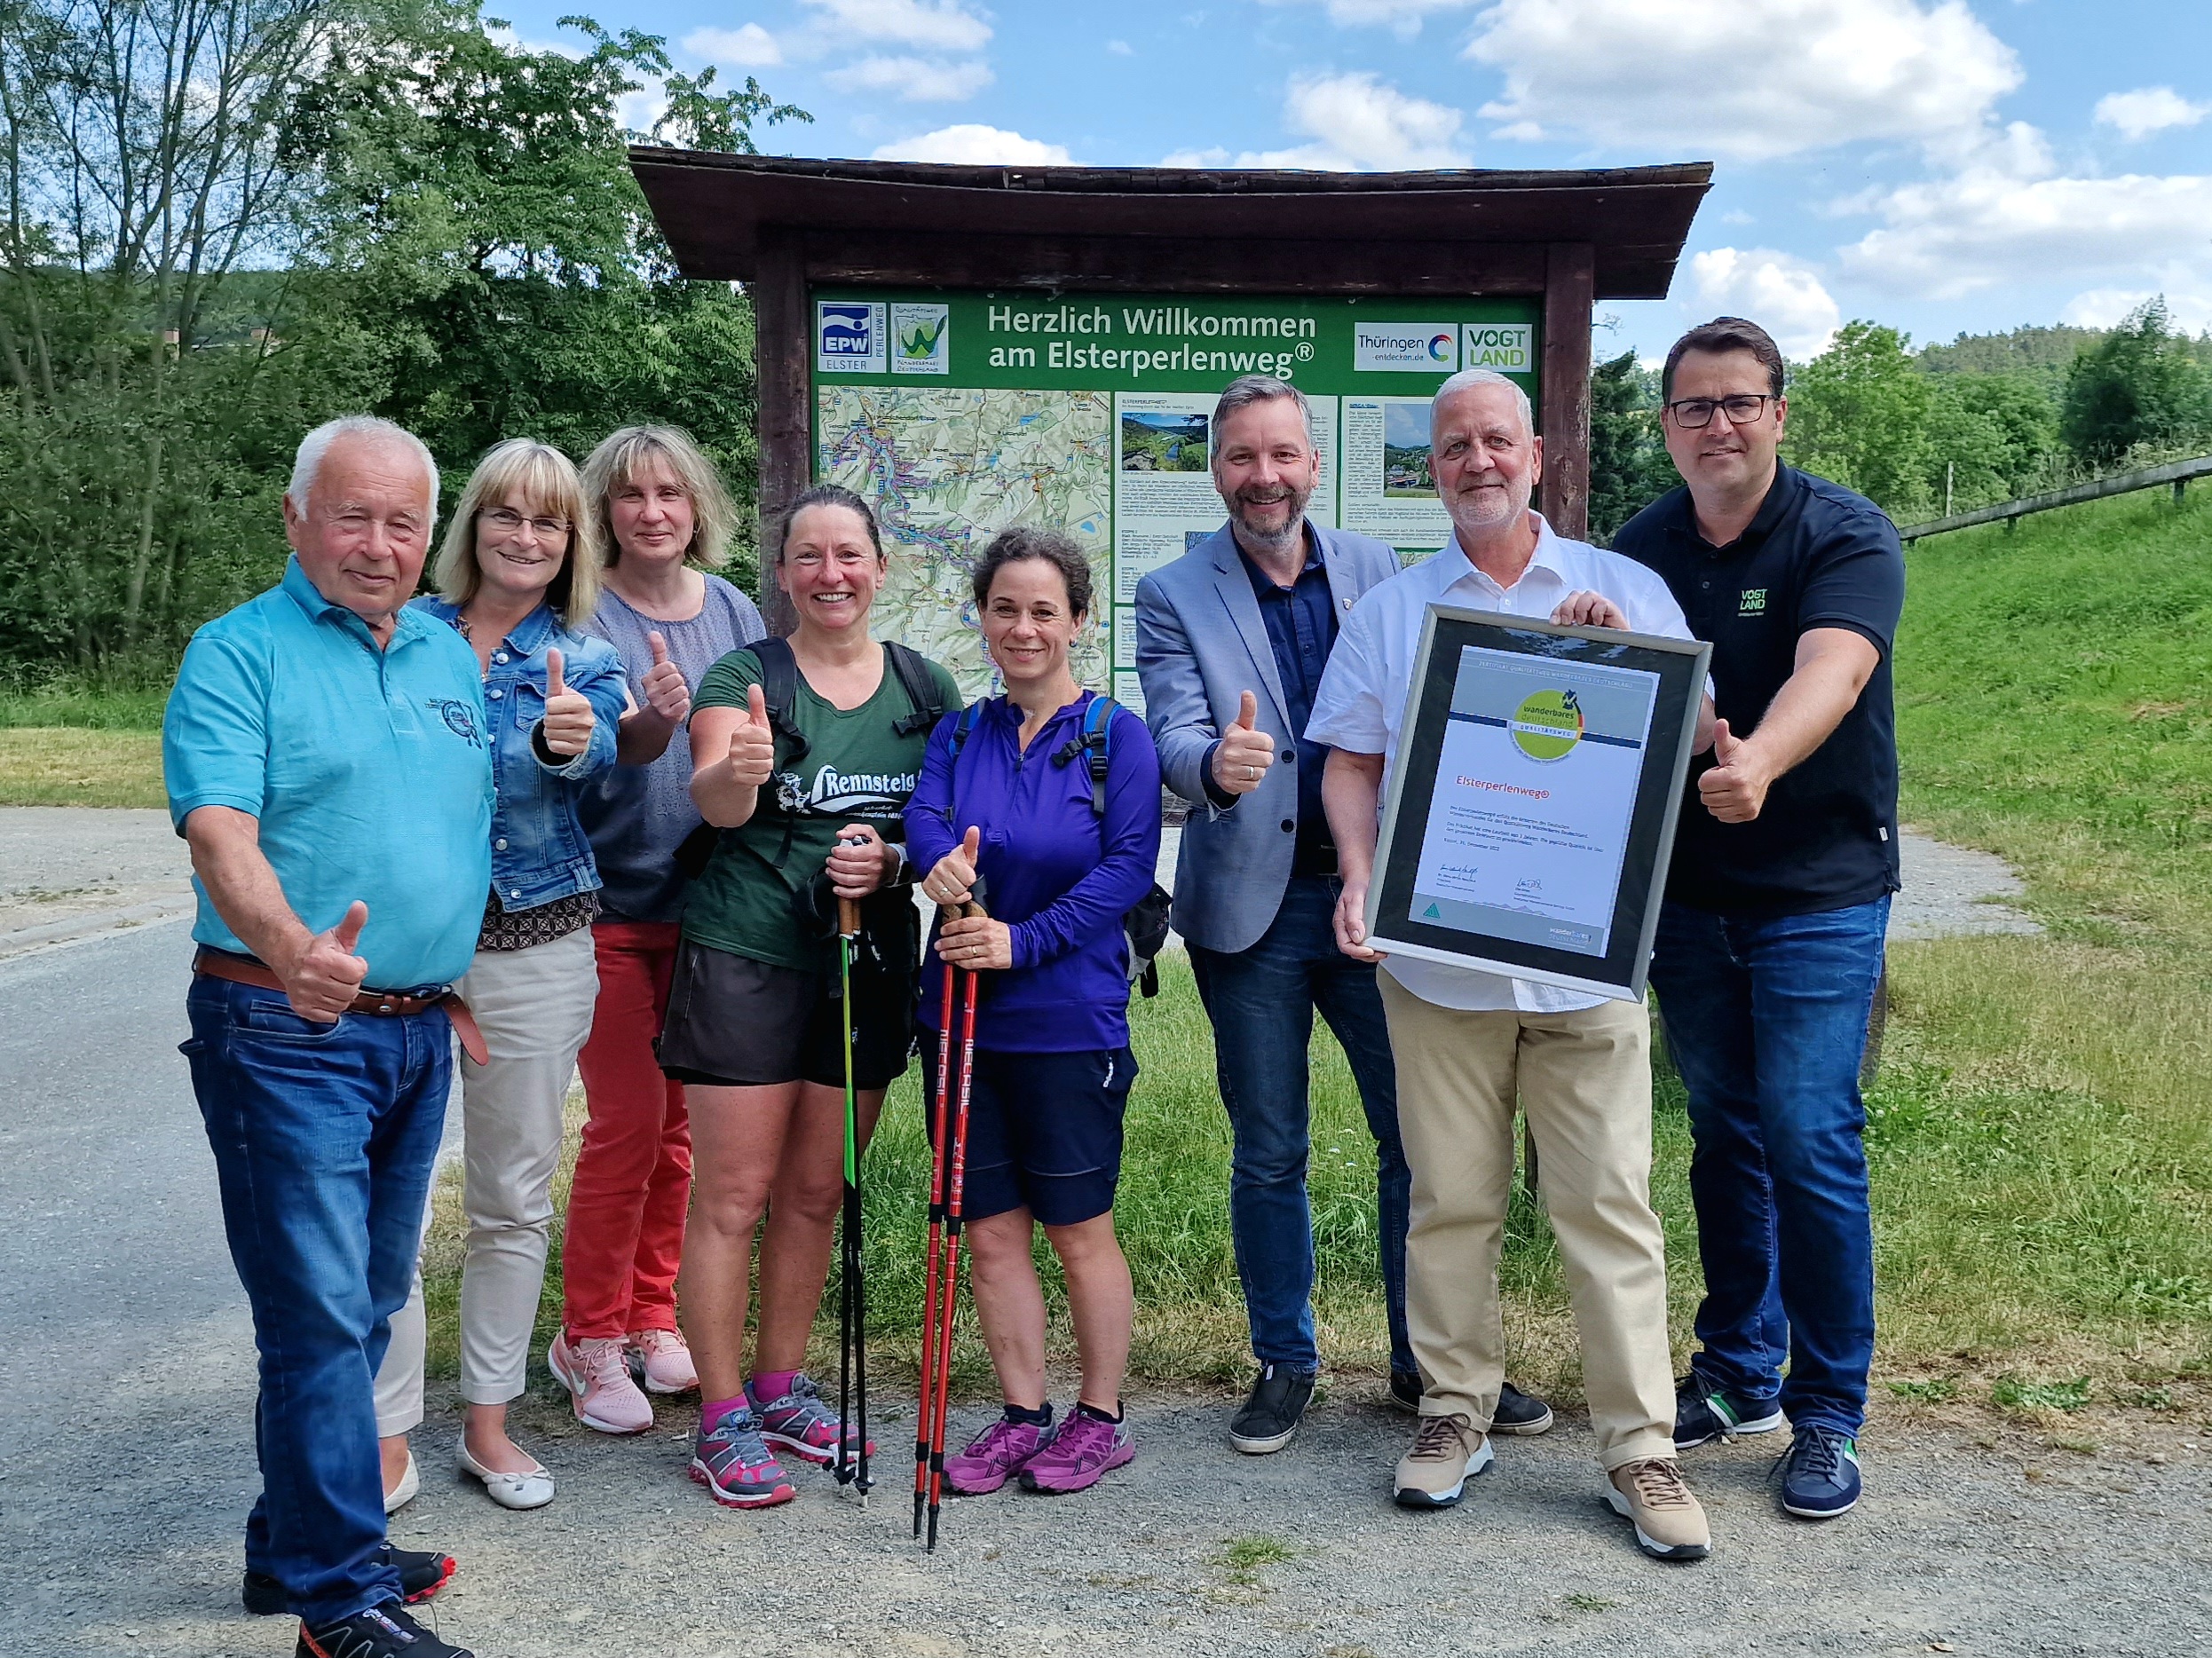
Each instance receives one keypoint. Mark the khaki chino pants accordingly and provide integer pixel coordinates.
(1584, 1080)
(535, 1007)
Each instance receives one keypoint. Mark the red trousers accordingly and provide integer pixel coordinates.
(626, 1207)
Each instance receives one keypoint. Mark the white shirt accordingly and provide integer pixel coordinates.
(1363, 695)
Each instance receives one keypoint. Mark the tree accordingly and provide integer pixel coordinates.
(1995, 433)
(2140, 384)
(1858, 414)
(1629, 468)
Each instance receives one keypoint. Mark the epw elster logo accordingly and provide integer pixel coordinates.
(848, 337)
(1419, 348)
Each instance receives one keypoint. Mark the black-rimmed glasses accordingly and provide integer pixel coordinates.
(1740, 407)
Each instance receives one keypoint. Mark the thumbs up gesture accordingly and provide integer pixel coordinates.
(954, 877)
(1735, 789)
(665, 693)
(568, 717)
(1245, 754)
(752, 758)
(322, 980)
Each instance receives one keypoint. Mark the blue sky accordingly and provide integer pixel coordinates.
(1935, 164)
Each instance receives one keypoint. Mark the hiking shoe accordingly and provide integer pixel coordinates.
(595, 1370)
(738, 1470)
(1406, 1391)
(662, 1360)
(994, 1456)
(1084, 1450)
(800, 1423)
(1447, 1452)
(1519, 1413)
(1270, 1417)
(423, 1573)
(1702, 1413)
(384, 1631)
(1650, 1496)
(1820, 1473)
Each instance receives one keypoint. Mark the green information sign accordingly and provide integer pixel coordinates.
(961, 415)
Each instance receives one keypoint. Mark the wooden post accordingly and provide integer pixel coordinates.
(1570, 274)
(781, 342)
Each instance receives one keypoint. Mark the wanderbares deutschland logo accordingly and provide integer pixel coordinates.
(1547, 725)
(921, 339)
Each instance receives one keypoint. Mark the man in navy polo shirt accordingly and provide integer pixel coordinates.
(1770, 943)
(325, 756)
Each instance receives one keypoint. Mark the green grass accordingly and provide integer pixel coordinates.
(63, 743)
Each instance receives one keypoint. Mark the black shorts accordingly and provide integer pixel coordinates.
(1044, 1130)
(735, 1022)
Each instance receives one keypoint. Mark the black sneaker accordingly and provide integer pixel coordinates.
(1820, 1473)
(1703, 1413)
(1270, 1417)
(423, 1573)
(1405, 1391)
(1518, 1412)
(384, 1631)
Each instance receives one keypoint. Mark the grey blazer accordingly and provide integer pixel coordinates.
(1200, 644)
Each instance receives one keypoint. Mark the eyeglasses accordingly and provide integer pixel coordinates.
(508, 523)
(1741, 408)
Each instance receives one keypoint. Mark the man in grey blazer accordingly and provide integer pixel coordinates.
(1232, 639)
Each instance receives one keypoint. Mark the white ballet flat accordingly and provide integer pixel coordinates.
(403, 1494)
(533, 1489)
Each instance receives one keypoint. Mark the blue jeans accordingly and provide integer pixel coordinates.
(1261, 1001)
(1766, 1020)
(324, 1137)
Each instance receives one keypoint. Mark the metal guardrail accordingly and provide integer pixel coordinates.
(2177, 473)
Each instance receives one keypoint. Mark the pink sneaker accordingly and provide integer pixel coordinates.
(595, 1370)
(667, 1361)
(1084, 1450)
(994, 1457)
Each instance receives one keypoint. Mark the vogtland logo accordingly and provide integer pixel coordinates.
(1547, 725)
(848, 337)
(1753, 603)
(1420, 348)
(1508, 347)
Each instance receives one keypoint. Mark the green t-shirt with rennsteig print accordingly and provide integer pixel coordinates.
(855, 770)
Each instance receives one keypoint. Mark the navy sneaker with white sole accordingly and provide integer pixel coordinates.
(1703, 1413)
(1820, 1473)
(423, 1573)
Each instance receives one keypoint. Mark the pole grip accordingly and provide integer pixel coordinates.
(848, 917)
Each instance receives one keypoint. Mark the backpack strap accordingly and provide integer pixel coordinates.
(964, 727)
(1096, 743)
(779, 690)
(920, 686)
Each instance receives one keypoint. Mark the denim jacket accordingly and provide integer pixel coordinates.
(539, 852)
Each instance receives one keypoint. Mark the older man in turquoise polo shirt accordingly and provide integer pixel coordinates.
(325, 759)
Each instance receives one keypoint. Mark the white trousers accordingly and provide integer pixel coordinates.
(534, 1006)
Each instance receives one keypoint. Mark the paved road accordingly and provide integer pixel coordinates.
(125, 1467)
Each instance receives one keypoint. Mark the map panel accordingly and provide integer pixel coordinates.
(948, 467)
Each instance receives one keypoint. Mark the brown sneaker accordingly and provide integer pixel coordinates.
(1446, 1450)
(1669, 1523)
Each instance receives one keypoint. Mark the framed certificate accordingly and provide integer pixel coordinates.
(1531, 809)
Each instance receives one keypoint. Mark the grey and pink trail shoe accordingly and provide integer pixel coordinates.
(995, 1456)
(1088, 1448)
(801, 1423)
(738, 1470)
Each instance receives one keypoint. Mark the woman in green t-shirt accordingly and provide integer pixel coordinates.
(803, 753)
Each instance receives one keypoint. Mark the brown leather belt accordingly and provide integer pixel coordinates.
(380, 1004)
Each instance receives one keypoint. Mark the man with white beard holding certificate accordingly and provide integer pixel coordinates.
(1468, 1043)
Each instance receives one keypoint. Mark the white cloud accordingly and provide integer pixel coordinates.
(2147, 110)
(1401, 17)
(975, 145)
(750, 47)
(2007, 212)
(1780, 292)
(2188, 302)
(1214, 156)
(916, 79)
(933, 24)
(1121, 49)
(1752, 82)
(1359, 124)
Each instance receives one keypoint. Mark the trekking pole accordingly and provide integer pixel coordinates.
(852, 1361)
(955, 1182)
(922, 1414)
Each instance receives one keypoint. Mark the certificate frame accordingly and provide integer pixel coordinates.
(1619, 969)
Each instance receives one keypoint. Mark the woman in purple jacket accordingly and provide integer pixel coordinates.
(1015, 805)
